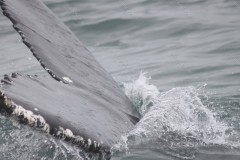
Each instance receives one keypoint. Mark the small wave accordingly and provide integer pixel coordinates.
(175, 122)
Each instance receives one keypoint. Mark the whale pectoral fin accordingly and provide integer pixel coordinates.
(57, 49)
(60, 53)
(89, 102)
(64, 109)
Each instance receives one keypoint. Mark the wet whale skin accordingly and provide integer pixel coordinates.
(77, 94)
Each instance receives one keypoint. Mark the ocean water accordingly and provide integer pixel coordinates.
(190, 106)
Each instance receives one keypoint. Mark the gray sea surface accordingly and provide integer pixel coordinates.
(191, 50)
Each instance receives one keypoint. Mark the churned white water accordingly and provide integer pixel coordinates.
(175, 119)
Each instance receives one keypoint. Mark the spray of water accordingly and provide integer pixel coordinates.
(175, 122)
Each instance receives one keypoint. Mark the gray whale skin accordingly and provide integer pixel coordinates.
(78, 101)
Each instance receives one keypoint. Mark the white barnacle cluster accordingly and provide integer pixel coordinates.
(7, 102)
(95, 144)
(23, 115)
(67, 79)
(45, 67)
(30, 118)
(89, 142)
(78, 140)
(66, 134)
(20, 32)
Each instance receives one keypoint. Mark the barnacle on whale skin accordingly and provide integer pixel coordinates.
(37, 121)
(6, 104)
(25, 116)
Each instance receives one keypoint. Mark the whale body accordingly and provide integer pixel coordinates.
(78, 100)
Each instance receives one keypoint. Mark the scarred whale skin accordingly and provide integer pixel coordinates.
(78, 98)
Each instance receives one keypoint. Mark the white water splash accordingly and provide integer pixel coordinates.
(173, 119)
(141, 93)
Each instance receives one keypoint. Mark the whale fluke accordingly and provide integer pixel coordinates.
(79, 102)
